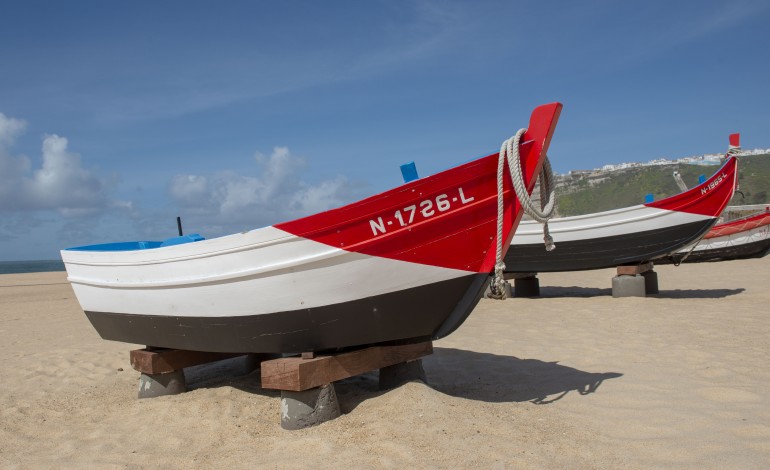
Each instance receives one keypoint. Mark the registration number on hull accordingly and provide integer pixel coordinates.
(712, 185)
(418, 212)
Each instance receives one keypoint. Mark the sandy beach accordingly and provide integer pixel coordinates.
(574, 379)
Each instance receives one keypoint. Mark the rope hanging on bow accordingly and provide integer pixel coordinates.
(509, 152)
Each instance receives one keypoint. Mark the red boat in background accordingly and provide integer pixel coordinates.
(632, 235)
(746, 237)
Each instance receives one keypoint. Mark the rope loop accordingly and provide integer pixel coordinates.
(497, 287)
(509, 153)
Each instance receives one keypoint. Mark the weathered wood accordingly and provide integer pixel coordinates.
(163, 361)
(297, 374)
(634, 270)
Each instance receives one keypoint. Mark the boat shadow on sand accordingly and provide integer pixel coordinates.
(460, 373)
(576, 291)
(497, 378)
(487, 377)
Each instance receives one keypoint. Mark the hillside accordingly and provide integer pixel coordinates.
(588, 192)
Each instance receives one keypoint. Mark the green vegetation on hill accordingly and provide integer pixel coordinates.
(624, 188)
(753, 180)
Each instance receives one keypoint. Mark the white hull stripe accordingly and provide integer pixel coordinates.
(293, 275)
(604, 224)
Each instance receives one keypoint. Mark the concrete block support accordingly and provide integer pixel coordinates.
(307, 408)
(628, 286)
(158, 385)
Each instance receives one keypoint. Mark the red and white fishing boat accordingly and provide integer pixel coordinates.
(631, 235)
(743, 238)
(410, 263)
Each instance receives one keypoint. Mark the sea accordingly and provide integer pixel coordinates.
(33, 266)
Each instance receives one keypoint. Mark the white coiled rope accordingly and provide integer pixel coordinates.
(509, 152)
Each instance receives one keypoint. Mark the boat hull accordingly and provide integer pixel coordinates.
(739, 239)
(627, 236)
(758, 249)
(267, 291)
(605, 252)
(420, 312)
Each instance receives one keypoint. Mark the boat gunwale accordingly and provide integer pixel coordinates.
(232, 276)
(192, 256)
(553, 224)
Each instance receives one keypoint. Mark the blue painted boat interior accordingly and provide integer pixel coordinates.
(140, 245)
(181, 240)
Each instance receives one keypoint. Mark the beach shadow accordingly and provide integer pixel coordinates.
(234, 372)
(573, 291)
(484, 377)
(496, 378)
(455, 372)
(697, 293)
(586, 292)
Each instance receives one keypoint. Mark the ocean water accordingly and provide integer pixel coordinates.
(35, 266)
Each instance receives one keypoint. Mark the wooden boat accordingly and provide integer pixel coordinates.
(746, 237)
(739, 238)
(408, 264)
(631, 235)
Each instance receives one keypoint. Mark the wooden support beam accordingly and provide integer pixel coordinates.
(634, 270)
(298, 374)
(163, 361)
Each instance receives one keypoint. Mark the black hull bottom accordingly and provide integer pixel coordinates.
(424, 312)
(756, 249)
(605, 252)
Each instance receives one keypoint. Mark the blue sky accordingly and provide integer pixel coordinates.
(116, 117)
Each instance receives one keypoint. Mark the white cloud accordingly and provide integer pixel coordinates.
(63, 184)
(11, 168)
(321, 197)
(9, 129)
(60, 184)
(47, 205)
(59, 190)
(189, 190)
(276, 194)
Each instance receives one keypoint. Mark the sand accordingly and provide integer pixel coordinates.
(574, 379)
